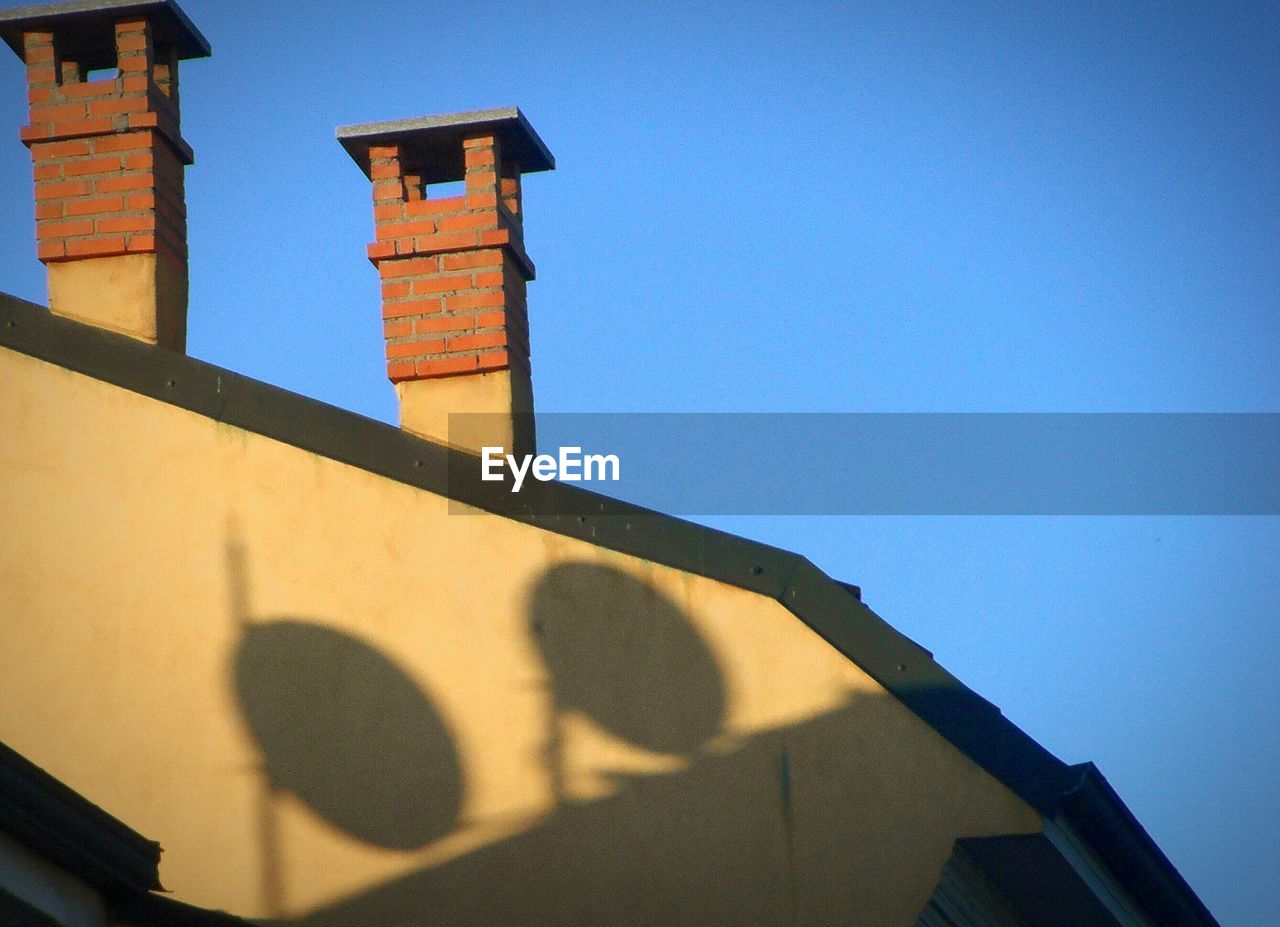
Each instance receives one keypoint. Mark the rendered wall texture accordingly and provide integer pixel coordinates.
(336, 703)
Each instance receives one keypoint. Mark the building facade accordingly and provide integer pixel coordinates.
(349, 683)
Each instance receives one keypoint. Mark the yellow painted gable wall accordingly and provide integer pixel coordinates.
(335, 702)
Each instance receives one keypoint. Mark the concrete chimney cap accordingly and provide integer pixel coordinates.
(431, 146)
(87, 27)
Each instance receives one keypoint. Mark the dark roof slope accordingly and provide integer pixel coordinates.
(1100, 816)
(62, 826)
(65, 828)
(971, 723)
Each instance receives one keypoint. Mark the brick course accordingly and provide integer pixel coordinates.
(107, 156)
(453, 268)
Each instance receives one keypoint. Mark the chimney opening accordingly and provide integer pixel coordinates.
(437, 191)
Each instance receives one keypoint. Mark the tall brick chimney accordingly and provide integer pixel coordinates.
(108, 159)
(454, 269)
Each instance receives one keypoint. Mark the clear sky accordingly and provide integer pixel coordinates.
(836, 207)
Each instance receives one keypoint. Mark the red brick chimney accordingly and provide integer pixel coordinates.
(109, 158)
(454, 269)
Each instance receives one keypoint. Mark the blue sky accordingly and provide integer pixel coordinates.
(836, 207)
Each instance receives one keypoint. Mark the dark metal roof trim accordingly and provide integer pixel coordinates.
(431, 146)
(61, 825)
(162, 911)
(90, 26)
(969, 722)
(1100, 816)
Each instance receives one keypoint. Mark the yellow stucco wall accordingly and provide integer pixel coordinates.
(336, 703)
(143, 296)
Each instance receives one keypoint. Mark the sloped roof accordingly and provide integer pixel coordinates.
(969, 722)
(62, 826)
(67, 829)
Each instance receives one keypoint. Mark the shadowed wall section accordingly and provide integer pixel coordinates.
(346, 731)
(625, 655)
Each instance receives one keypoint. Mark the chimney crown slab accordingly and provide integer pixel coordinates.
(431, 146)
(87, 27)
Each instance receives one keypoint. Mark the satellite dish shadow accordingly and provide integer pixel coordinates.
(628, 657)
(346, 731)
